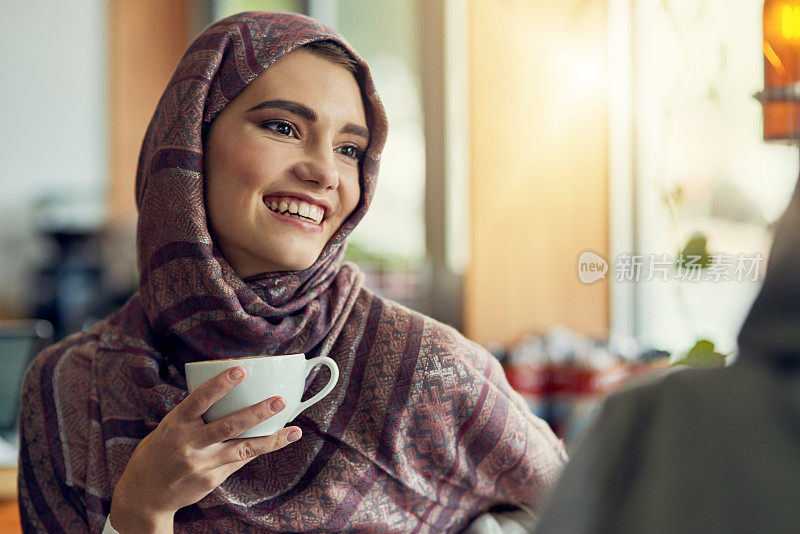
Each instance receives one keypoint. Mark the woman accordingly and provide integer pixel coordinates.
(422, 432)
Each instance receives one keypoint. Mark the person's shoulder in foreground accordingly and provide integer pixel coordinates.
(711, 451)
(699, 450)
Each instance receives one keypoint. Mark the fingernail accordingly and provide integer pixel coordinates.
(236, 373)
(277, 405)
(294, 435)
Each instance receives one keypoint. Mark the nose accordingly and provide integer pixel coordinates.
(319, 167)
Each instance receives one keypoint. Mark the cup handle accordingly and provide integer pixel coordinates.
(310, 364)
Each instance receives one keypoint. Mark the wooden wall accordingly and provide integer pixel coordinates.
(146, 40)
(539, 177)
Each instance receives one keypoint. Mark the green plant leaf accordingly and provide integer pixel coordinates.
(694, 253)
(702, 355)
(673, 197)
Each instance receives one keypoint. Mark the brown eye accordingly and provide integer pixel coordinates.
(279, 127)
(349, 151)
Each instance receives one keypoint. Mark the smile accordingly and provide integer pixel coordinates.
(296, 208)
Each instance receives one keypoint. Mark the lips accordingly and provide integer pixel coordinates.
(297, 205)
(297, 221)
(296, 208)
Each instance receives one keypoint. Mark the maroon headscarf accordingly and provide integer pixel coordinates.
(422, 432)
(188, 290)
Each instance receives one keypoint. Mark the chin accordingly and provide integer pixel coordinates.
(297, 266)
(297, 261)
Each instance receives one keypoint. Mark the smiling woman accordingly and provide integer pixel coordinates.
(259, 162)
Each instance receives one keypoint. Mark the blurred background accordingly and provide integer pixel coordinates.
(523, 133)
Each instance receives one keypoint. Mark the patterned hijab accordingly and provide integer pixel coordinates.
(421, 433)
(192, 297)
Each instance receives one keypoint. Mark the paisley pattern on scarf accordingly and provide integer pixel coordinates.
(422, 432)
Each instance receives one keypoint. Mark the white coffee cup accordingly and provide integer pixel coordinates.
(266, 376)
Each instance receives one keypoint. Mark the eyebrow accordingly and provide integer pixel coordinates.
(308, 114)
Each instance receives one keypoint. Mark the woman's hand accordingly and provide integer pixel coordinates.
(184, 459)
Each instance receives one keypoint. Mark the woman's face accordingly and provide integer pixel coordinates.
(282, 164)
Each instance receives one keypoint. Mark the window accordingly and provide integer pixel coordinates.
(701, 168)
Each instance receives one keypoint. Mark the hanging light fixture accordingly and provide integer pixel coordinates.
(781, 95)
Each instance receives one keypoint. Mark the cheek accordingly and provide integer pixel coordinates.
(351, 193)
(229, 183)
(246, 163)
(249, 166)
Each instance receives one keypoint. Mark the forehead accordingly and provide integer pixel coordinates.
(305, 77)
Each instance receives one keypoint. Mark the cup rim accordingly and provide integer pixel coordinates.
(257, 357)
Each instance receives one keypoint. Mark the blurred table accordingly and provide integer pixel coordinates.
(9, 512)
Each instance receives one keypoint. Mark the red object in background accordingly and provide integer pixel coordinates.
(532, 382)
(781, 47)
(568, 396)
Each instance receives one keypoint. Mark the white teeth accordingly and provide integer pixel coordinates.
(315, 213)
(297, 209)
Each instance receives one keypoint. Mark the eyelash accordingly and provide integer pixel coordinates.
(272, 126)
